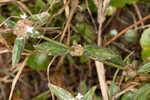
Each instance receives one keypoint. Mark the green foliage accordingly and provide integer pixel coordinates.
(113, 89)
(145, 43)
(144, 68)
(38, 61)
(111, 10)
(42, 96)
(49, 1)
(18, 47)
(40, 4)
(121, 3)
(98, 53)
(89, 94)
(34, 34)
(65, 95)
(86, 31)
(128, 96)
(83, 87)
(145, 38)
(60, 93)
(52, 48)
(130, 35)
(40, 18)
(142, 93)
(145, 53)
(92, 6)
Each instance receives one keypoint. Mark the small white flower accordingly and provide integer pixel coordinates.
(79, 96)
(23, 16)
(29, 29)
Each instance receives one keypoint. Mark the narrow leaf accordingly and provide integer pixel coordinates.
(98, 53)
(60, 93)
(18, 47)
(89, 94)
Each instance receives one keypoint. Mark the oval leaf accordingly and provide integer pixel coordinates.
(18, 47)
(130, 35)
(98, 53)
(54, 49)
(38, 61)
(60, 93)
(145, 38)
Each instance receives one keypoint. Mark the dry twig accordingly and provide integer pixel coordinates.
(17, 77)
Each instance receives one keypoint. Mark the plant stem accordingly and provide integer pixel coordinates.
(113, 65)
(52, 41)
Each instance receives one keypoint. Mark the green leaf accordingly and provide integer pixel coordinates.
(98, 53)
(60, 93)
(142, 93)
(38, 61)
(42, 96)
(40, 18)
(40, 4)
(89, 94)
(130, 35)
(49, 1)
(113, 89)
(121, 3)
(18, 47)
(145, 38)
(34, 34)
(118, 3)
(131, 1)
(110, 10)
(144, 68)
(86, 31)
(92, 6)
(83, 87)
(54, 48)
(128, 96)
(145, 53)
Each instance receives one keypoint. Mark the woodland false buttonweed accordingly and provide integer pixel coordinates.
(29, 29)
(79, 96)
(24, 16)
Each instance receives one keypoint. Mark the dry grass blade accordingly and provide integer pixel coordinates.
(102, 6)
(17, 77)
(23, 6)
(6, 1)
(75, 4)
